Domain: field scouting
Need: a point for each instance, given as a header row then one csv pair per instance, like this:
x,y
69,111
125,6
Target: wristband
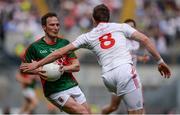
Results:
x,y
160,61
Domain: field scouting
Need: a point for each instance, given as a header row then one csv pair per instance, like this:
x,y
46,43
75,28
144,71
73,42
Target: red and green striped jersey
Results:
x,y
40,49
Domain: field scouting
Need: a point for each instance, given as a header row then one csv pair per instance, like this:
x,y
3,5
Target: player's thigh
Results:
x,y
134,100
66,99
79,97
58,99
71,106
109,81
85,104
127,79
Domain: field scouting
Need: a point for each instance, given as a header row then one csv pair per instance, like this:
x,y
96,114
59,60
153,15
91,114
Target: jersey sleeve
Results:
x,y
128,30
81,41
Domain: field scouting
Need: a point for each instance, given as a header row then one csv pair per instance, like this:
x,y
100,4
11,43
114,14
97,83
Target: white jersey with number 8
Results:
x,y
108,42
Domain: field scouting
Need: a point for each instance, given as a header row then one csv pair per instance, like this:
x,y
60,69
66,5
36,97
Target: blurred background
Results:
x,y
158,19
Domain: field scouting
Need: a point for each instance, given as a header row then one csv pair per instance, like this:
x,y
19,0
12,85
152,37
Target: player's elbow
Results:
x,y
145,40
77,68
55,55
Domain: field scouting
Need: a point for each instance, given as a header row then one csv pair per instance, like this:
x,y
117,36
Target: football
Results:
x,y
52,71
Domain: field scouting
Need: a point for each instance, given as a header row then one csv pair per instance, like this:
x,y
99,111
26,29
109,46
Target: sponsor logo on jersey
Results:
x,y
52,49
43,51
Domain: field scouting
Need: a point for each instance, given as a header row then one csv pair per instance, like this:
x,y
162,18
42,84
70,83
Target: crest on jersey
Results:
x,y
61,100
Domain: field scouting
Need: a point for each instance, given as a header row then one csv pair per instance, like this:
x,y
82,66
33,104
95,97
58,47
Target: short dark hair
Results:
x,y
101,13
130,20
47,15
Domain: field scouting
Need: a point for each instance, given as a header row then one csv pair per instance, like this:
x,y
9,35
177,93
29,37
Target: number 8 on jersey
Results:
x,y
106,41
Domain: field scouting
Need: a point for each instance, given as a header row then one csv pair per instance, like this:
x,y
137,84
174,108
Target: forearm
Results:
x,y
147,43
71,68
32,72
55,55
50,58
151,48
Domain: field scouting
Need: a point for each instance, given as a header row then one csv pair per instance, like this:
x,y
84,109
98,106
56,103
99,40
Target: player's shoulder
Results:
x,y
124,26
115,24
35,43
63,40
38,41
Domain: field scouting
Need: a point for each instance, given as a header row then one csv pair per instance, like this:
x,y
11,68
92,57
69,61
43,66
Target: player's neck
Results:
x,y
97,23
50,40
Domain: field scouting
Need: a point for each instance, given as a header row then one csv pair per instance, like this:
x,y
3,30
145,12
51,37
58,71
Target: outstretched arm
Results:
x,y
143,58
50,58
143,39
56,54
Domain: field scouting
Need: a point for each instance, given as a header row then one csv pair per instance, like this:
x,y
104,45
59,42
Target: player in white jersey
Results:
x,y
133,46
108,42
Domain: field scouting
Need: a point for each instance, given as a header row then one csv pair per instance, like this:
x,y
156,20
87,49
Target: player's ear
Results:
x,y
44,27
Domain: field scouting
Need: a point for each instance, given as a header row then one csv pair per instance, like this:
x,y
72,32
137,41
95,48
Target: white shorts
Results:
x,y
29,93
60,98
124,81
